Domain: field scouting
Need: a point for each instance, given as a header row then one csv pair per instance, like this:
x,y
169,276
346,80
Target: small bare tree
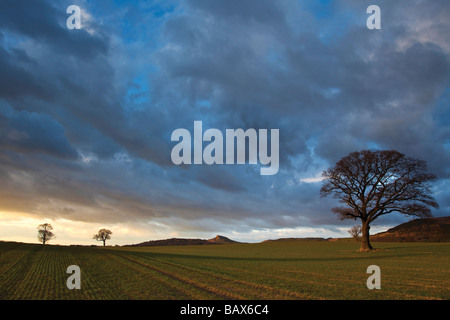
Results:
x,y
356,232
44,233
103,235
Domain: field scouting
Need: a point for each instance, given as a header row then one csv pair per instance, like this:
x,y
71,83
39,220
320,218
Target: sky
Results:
x,y
86,115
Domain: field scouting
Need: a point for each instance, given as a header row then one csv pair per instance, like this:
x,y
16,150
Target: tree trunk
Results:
x,y
365,242
104,242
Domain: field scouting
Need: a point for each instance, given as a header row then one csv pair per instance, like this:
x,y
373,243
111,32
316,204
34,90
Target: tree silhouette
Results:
x,y
376,183
44,233
355,232
103,235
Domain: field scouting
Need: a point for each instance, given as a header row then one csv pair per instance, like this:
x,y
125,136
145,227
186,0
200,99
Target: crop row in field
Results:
x,y
283,270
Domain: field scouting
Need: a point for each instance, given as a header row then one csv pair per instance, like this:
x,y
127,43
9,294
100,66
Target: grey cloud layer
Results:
x,y
70,138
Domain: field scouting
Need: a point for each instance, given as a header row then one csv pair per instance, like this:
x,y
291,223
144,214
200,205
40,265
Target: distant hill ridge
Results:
x,y
418,230
185,242
297,239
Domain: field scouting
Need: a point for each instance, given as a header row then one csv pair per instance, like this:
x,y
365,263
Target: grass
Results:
x,y
287,270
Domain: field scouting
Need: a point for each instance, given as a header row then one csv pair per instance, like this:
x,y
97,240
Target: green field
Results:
x,y
272,270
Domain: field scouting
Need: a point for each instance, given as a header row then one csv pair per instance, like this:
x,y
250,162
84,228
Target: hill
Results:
x,y
419,230
184,242
296,239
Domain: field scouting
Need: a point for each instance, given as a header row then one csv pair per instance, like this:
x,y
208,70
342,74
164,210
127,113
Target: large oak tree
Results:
x,y
376,183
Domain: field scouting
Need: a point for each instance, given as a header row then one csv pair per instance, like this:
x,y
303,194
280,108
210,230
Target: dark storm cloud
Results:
x,y
29,132
47,24
69,76
86,138
266,12
336,90
17,82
